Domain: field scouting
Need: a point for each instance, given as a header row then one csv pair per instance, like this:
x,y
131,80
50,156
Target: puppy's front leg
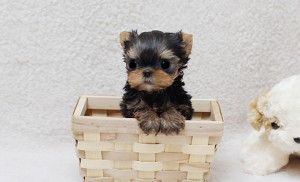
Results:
x,y
148,120
172,121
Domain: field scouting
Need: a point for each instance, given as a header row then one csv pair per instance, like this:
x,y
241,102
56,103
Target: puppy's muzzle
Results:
x,y
297,140
147,73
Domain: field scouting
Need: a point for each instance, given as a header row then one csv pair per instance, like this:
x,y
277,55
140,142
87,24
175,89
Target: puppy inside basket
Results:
x,y
154,92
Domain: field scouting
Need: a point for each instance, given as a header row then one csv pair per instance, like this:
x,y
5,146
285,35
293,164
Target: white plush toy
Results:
x,y
275,116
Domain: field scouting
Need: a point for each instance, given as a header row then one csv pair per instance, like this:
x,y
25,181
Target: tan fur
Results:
x,y
188,43
167,54
255,114
132,53
124,36
159,80
135,78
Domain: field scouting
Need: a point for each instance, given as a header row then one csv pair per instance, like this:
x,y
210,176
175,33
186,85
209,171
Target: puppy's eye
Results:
x,y
165,64
132,64
275,125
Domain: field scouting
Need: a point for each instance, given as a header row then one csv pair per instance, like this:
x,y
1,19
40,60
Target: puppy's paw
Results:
x,y
150,126
149,122
171,122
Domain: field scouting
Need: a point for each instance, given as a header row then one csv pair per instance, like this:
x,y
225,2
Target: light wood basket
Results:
x,y
111,148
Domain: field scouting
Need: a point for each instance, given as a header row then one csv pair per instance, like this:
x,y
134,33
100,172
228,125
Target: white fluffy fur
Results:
x,y
268,150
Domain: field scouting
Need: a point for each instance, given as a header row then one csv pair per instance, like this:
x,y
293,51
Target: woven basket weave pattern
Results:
x,y
112,148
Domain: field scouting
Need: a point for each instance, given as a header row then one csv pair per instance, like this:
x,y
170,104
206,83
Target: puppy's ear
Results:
x,y
255,114
126,36
187,43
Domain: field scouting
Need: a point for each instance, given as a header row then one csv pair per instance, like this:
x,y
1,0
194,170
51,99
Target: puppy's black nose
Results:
x,y
297,140
147,73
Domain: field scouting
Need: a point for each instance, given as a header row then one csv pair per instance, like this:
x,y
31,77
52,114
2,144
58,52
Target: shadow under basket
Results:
x,y
111,148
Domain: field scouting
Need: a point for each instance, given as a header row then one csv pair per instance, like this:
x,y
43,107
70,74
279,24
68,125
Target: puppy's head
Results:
x,y
277,112
154,59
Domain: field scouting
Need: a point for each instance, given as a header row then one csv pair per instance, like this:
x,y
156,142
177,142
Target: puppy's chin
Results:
x,y
148,87
158,81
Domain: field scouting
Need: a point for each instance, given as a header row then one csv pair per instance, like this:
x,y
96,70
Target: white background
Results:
x,y
52,51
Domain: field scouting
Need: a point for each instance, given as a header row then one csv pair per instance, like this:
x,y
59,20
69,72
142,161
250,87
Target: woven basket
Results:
x,y
112,148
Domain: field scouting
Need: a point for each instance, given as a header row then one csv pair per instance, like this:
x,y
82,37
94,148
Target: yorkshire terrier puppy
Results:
x,y
154,93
